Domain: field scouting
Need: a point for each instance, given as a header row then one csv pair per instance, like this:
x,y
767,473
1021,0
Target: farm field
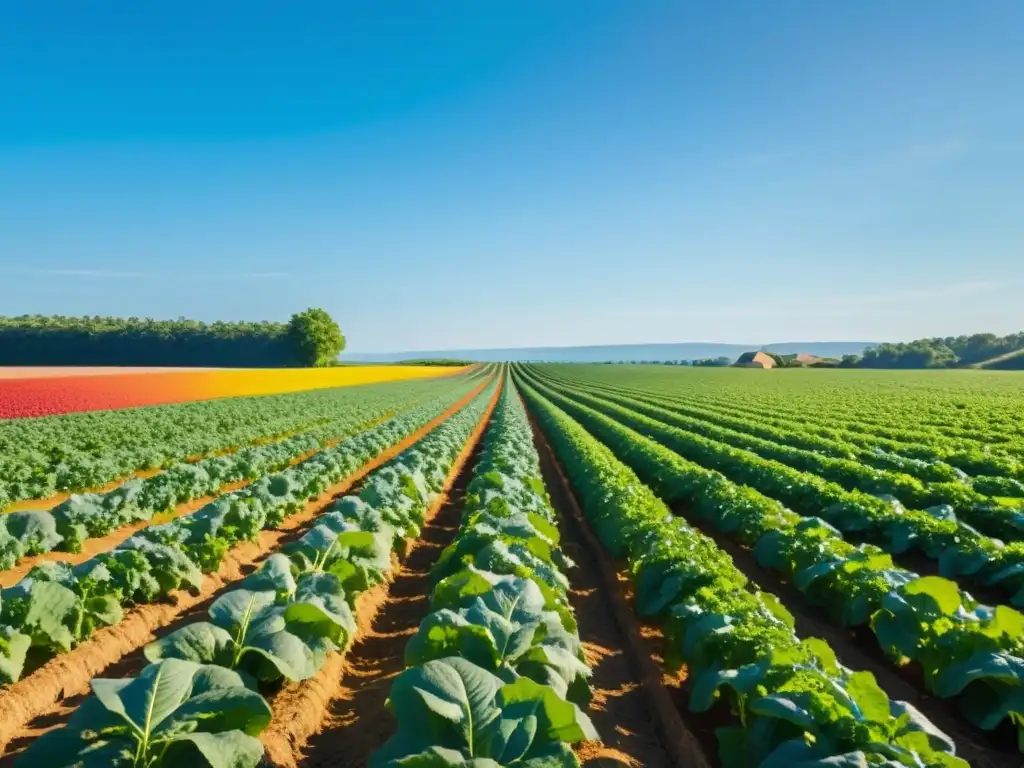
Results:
x,y
43,371
37,392
884,511
525,565
319,449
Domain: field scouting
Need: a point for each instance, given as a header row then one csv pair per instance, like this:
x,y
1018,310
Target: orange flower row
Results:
x,y
47,395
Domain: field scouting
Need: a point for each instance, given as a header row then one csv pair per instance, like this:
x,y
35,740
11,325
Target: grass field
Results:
x,y
528,565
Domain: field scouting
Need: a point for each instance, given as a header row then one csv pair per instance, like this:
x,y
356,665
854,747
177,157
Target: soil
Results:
x,y
54,499
94,546
339,717
51,501
860,651
357,721
632,708
35,703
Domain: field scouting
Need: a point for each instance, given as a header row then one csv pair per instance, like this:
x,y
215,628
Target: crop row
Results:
x,y
965,649
925,463
941,407
974,457
495,671
40,396
967,503
907,419
934,457
70,523
960,551
972,454
201,698
77,452
58,606
888,407
790,700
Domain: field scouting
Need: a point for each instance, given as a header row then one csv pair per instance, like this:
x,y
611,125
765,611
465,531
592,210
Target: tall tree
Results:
x,y
315,336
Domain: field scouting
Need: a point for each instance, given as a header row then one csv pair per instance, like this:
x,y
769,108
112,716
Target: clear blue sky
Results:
x,y
479,174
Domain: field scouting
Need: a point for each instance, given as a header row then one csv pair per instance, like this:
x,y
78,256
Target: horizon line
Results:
x,y
606,346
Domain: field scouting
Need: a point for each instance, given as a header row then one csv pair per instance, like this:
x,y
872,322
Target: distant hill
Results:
x,y
623,352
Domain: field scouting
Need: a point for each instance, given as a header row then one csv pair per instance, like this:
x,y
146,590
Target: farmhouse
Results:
x,y
805,359
755,360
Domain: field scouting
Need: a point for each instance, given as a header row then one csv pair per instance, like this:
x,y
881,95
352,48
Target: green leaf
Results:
x,y
869,697
776,608
823,653
784,707
448,702
989,666
1005,621
449,633
14,647
320,600
97,612
52,609
200,642
275,574
221,700
544,528
172,710
913,721
945,592
230,749
558,668
557,719
272,641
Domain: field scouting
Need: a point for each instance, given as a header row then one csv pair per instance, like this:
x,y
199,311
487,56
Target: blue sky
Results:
x,y
486,174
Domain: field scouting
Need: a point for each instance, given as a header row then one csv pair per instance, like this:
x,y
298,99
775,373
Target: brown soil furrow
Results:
x,y
632,708
53,500
339,717
994,750
95,546
69,674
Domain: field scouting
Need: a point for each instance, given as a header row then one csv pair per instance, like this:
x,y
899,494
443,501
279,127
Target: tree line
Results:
x,y
940,352
310,338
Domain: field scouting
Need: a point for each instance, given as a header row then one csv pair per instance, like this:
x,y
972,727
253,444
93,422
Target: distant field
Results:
x,y
834,557
44,372
26,392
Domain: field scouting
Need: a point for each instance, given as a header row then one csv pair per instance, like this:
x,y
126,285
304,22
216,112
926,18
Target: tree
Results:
x,y
315,337
922,353
95,340
713,362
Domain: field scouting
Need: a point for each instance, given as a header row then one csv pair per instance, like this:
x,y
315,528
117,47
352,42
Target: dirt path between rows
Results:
x,y
51,501
859,650
94,546
304,710
358,722
854,650
633,711
35,703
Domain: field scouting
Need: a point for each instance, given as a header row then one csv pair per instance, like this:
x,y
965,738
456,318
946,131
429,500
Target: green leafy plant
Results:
x,y
452,712
174,713
791,699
